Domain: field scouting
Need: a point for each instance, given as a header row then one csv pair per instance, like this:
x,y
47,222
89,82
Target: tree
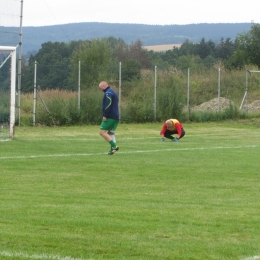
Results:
x,y
189,61
205,49
225,48
248,50
119,48
52,67
137,52
157,59
187,48
95,58
131,70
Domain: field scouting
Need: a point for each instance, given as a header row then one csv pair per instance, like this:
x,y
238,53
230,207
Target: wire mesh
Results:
x,y
4,95
9,22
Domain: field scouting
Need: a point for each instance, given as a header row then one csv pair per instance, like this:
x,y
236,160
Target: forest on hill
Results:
x,y
34,37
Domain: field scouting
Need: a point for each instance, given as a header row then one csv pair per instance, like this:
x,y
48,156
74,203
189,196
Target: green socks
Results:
x,y
113,144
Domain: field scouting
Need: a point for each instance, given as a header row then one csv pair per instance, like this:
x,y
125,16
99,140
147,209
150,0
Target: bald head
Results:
x,y
103,85
169,123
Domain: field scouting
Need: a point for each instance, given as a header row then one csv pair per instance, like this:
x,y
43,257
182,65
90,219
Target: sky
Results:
x,y
160,12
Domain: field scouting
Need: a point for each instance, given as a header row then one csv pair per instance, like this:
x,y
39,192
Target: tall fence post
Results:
x,y
188,92
155,85
79,87
218,89
119,90
20,64
247,91
34,93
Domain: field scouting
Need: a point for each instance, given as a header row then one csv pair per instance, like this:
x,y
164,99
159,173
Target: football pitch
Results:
x,y
63,198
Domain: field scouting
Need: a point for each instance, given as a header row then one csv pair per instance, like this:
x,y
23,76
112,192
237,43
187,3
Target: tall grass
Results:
x,y
138,98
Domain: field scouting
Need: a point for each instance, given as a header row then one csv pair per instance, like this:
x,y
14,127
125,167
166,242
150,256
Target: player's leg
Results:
x,y
168,134
111,132
182,133
106,126
112,135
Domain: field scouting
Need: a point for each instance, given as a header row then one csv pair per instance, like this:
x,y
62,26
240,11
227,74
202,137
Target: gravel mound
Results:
x,y
221,104
253,108
214,105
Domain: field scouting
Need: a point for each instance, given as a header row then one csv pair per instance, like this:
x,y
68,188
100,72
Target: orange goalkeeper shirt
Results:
x,y
176,126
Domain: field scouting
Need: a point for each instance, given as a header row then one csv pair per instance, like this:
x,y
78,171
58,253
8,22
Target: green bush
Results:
x,y
170,101
66,111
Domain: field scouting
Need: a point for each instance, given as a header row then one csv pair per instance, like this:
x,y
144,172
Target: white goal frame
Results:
x,y
12,55
246,92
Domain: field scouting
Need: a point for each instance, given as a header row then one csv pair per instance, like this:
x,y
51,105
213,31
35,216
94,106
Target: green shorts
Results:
x,y
109,124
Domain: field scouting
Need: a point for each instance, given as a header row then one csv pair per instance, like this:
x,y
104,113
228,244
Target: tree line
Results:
x,y
58,62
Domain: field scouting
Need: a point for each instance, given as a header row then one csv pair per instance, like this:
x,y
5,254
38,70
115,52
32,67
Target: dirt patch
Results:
x,y
163,47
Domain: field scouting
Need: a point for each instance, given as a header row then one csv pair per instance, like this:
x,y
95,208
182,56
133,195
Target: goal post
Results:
x,y
8,90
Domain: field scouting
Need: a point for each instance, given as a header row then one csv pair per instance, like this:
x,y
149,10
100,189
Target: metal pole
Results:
x,y
34,94
218,89
2,64
119,89
79,88
246,93
242,101
188,92
155,85
246,90
20,64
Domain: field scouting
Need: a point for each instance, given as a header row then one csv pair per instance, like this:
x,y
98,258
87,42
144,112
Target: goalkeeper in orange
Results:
x,y
171,127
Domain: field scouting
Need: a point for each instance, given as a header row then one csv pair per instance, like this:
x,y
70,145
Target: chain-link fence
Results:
x,y
4,96
69,95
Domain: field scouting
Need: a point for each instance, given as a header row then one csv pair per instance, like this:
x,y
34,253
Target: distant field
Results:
x,y
63,198
163,47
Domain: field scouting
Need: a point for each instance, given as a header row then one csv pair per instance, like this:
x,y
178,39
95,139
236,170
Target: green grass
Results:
x,y
63,197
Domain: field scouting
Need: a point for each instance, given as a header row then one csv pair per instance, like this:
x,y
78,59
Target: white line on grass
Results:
x,y
257,257
34,256
58,257
127,152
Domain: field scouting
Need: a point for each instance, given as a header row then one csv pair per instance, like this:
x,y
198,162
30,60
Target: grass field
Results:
x,y
63,198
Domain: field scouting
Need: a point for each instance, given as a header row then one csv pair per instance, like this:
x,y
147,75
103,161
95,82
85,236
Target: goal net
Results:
x,y
9,22
7,91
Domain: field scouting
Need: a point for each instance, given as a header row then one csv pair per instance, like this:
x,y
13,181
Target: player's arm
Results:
x,y
107,105
178,129
164,128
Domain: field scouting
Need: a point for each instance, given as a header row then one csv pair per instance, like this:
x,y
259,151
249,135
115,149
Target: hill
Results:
x,y
33,37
